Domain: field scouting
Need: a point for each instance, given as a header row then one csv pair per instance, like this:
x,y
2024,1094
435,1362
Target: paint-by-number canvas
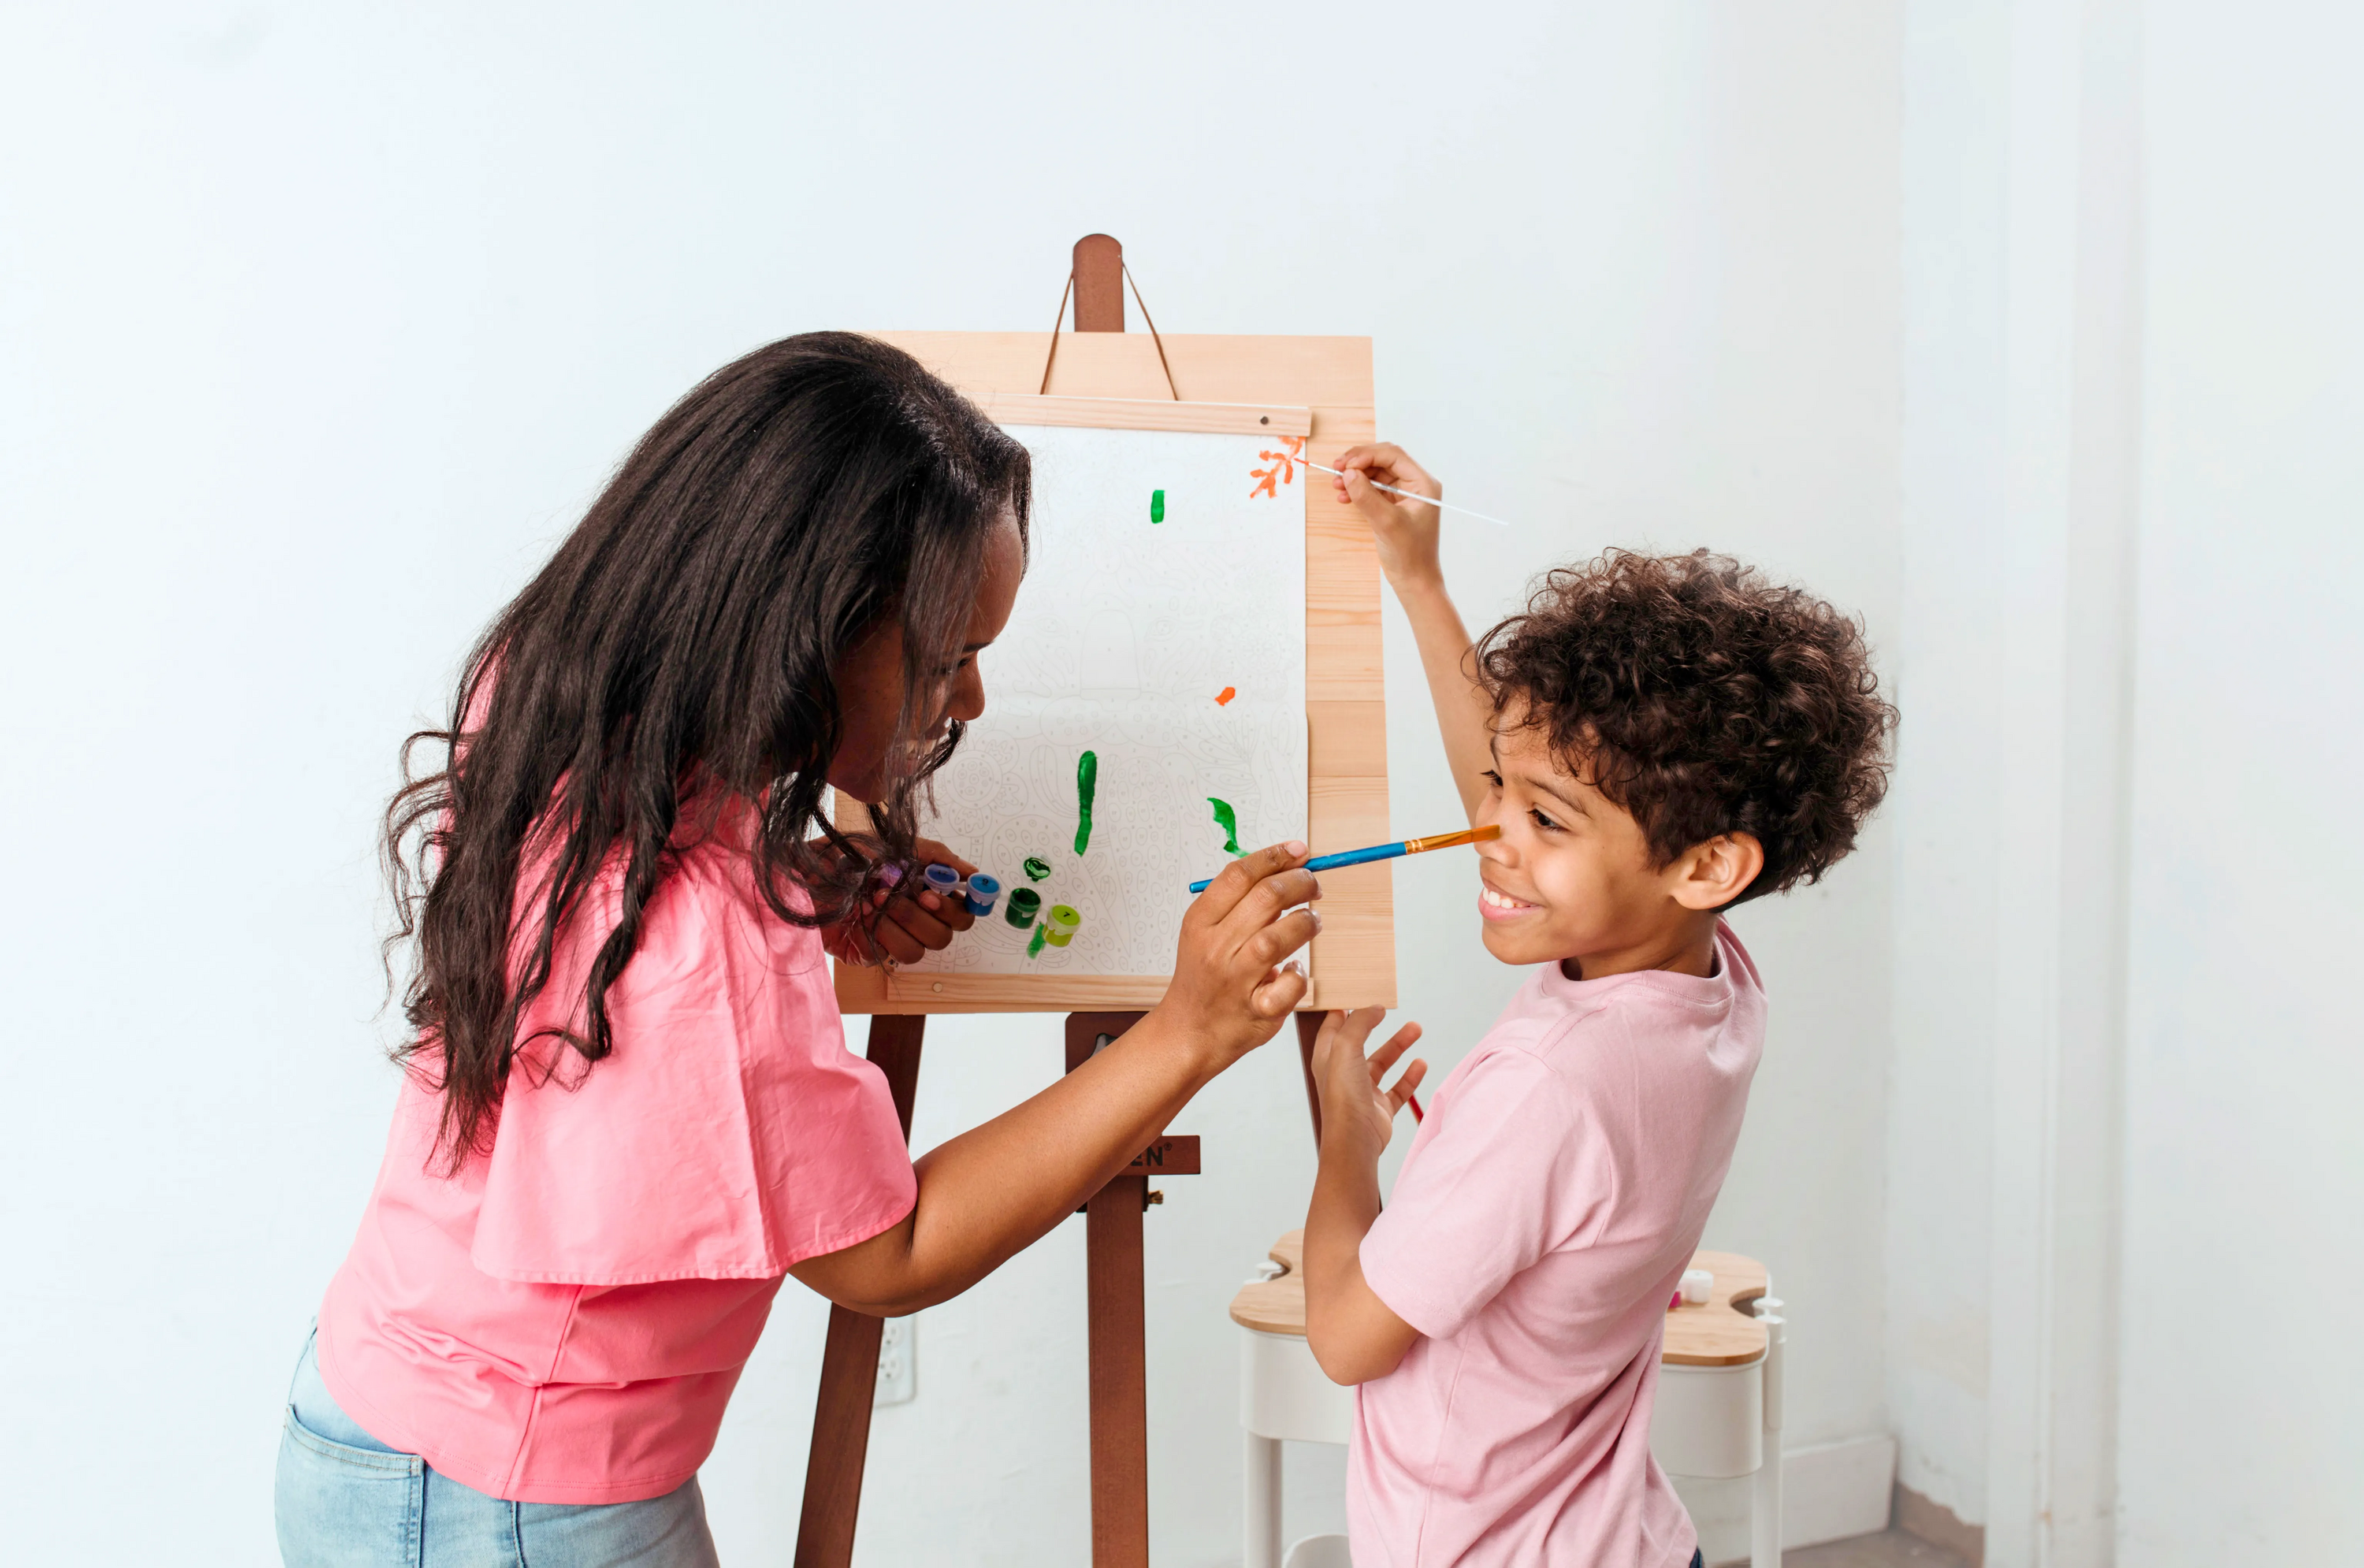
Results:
x,y
1165,633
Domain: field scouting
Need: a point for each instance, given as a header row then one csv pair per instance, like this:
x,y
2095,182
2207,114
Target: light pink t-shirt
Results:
x,y
1541,1220
564,1321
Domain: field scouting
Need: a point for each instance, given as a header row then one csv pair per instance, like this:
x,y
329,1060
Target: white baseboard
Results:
x,y
1829,1492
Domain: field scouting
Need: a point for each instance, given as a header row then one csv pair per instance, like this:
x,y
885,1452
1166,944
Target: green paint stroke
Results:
x,y
1229,821
1042,935
1088,780
1037,868
1157,506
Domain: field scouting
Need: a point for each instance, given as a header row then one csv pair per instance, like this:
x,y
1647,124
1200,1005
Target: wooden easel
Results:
x,y
1347,723
1114,1303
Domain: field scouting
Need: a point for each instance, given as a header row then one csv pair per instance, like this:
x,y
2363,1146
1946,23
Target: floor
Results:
x,y
1889,1549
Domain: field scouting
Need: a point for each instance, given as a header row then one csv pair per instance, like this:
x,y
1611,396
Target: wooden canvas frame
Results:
x,y
1318,387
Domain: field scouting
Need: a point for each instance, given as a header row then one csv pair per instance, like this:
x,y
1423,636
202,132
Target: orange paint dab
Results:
x,y
1226,695
1283,470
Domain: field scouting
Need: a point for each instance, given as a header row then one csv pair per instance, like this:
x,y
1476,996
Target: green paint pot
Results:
x,y
1061,923
1023,903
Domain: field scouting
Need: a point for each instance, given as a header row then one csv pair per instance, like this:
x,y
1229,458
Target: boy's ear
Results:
x,y
1711,876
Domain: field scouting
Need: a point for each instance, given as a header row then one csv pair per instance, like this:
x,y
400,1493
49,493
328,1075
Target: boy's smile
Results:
x,y
1498,906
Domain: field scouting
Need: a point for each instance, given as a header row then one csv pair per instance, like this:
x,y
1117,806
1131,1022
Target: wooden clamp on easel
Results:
x,y
1325,384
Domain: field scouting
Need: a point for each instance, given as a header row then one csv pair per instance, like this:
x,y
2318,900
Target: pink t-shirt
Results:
x,y
564,1321
1543,1219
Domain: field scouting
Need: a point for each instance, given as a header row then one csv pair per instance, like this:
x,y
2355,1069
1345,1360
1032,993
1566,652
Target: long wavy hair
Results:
x,y
681,644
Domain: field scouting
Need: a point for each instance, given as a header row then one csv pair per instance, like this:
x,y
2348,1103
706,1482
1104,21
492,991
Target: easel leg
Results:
x,y
1308,1026
1119,1371
1119,1375
840,1441
849,1364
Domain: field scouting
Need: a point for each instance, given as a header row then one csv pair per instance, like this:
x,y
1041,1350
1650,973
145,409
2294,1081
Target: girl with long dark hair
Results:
x,y
627,1110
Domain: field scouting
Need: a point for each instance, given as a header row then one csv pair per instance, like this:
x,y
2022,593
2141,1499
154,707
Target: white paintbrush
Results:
x,y
1407,495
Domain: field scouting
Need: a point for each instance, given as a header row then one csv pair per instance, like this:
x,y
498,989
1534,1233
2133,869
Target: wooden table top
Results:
x,y
1721,1331
1277,1305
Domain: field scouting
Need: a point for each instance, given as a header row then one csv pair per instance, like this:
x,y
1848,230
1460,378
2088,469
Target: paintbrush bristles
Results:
x,y
1446,840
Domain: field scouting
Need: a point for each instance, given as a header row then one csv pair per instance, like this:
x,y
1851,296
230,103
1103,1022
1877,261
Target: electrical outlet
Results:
x,y
898,1370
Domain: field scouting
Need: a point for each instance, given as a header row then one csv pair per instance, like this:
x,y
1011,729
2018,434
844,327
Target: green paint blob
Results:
x,y
1088,781
1157,506
1042,935
1228,820
1037,868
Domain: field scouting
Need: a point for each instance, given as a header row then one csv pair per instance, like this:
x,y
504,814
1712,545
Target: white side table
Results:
x,y
1719,1406
1718,1412
1284,1397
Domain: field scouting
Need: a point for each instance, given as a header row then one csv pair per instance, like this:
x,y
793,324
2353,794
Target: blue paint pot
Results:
x,y
982,892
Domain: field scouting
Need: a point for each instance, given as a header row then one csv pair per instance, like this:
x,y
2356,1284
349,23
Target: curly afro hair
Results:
x,y
1704,700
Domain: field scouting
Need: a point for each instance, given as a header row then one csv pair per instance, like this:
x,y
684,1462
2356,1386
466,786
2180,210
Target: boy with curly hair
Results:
x,y
1659,739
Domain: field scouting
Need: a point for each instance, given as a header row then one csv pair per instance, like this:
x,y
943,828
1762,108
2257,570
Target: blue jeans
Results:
x,y
346,1500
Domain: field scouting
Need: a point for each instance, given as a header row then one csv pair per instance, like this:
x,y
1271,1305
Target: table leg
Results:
x,y
849,1363
1765,1488
1262,1545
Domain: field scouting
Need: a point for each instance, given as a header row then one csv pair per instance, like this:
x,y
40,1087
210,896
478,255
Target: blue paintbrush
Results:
x,y
1388,851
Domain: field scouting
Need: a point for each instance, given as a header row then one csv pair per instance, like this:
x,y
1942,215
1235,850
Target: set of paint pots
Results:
x,y
1058,924
979,891
1055,926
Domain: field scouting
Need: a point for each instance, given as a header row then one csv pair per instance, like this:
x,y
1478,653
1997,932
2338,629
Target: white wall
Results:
x,y
2123,1064
2244,1060
1939,1167
2021,410
317,328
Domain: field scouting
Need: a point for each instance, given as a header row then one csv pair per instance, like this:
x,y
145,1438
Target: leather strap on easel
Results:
x,y
1153,336
1049,358
1053,357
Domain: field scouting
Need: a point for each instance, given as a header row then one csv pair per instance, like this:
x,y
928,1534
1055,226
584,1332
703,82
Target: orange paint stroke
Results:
x,y
1283,470
1226,695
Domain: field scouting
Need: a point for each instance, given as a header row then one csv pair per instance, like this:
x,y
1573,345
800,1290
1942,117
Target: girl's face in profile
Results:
x,y
870,677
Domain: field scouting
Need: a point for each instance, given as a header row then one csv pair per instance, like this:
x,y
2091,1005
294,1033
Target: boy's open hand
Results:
x,y
1404,530
905,923
1231,990
1353,1105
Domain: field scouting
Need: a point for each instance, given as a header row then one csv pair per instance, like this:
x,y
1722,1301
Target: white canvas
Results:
x,y
1125,632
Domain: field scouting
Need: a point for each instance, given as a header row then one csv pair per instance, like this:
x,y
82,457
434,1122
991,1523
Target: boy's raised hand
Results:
x,y
1230,988
1356,1108
1404,530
